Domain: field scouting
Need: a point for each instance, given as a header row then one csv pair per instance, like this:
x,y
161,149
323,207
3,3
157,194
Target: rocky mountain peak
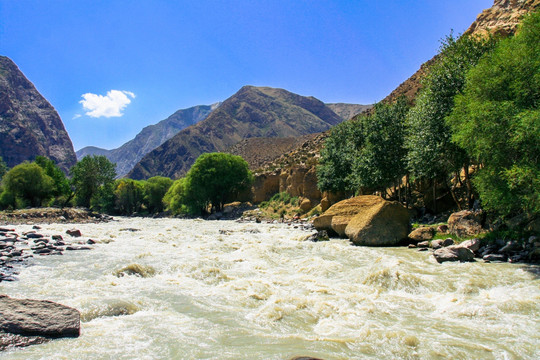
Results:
x,y
29,125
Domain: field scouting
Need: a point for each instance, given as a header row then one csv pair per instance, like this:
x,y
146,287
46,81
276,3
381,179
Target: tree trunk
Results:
x,y
469,186
435,196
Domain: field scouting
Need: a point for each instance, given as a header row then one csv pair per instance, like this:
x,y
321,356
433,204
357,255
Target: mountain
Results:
x,y
251,112
348,111
127,155
29,125
502,19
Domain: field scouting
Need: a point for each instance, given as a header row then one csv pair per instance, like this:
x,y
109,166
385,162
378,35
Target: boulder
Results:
x,y
511,246
366,220
466,223
473,244
74,232
453,253
325,204
437,244
422,234
305,205
423,244
494,257
38,318
448,242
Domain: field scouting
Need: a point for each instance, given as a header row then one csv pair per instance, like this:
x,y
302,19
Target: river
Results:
x,y
227,290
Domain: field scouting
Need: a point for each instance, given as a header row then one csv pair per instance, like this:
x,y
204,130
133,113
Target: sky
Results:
x,y
112,67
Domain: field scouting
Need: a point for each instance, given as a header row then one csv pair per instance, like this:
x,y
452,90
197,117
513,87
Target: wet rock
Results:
x,y
136,269
466,223
473,244
319,236
423,249
8,341
38,318
75,248
36,227
34,236
423,244
494,258
412,246
43,251
422,234
74,232
453,253
57,237
90,241
6,230
511,246
448,242
436,244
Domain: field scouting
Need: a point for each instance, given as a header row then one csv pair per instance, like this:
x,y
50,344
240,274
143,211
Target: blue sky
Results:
x,y
112,67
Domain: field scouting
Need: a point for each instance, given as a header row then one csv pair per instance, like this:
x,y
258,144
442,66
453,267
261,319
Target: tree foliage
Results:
x,y
129,196
61,186
379,162
92,178
26,184
213,180
3,168
155,189
497,120
430,152
341,148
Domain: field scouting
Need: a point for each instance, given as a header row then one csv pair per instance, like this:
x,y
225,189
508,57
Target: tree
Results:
x,y
28,184
61,187
497,121
155,189
129,196
431,155
379,163
92,177
335,169
213,180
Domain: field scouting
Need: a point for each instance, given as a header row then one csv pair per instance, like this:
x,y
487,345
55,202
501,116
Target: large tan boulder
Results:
x,y
422,233
366,220
466,223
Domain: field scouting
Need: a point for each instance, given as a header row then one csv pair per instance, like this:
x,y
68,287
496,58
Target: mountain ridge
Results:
x,y
29,124
250,112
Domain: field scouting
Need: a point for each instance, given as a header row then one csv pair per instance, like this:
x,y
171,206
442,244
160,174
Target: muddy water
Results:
x,y
190,289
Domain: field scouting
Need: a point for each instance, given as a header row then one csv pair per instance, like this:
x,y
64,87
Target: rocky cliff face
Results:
x,y
251,112
29,125
128,155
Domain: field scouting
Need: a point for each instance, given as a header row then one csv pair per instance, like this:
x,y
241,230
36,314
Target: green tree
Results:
x,y
129,196
28,184
341,148
497,121
61,188
431,155
379,163
93,177
213,180
155,189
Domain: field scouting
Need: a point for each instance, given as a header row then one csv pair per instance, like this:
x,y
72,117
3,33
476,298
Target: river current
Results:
x,y
193,289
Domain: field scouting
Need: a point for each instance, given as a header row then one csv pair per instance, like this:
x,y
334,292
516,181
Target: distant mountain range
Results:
x,y
251,112
152,136
29,125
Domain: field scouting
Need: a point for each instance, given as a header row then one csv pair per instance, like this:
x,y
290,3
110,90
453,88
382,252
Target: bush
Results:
x,y
155,189
92,177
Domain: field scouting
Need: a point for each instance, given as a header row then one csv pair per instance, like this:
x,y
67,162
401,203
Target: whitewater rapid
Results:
x,y
193,289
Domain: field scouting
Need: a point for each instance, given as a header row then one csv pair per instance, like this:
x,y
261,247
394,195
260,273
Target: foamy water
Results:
x,y
226,290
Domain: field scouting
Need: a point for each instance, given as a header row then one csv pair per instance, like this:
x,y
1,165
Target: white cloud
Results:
x,y
76,116
110,105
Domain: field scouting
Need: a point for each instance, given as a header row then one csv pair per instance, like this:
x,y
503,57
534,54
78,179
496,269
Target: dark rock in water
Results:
x,y
13,340
90,241
43,251
57,237
34,236
510,246
448,242
36,227
423,249
74,232
319,236
38,318
412,246
453,253
71,248
6,230
494,257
